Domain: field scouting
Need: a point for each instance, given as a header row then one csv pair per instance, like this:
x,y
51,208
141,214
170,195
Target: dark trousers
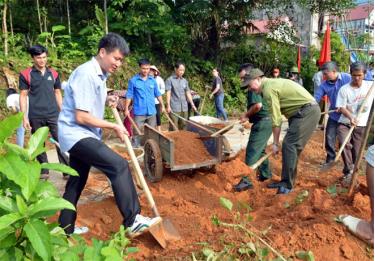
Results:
x,y
196,104
352,147
256,147
301,126
51,123
180,124
330,145
91,152
158,115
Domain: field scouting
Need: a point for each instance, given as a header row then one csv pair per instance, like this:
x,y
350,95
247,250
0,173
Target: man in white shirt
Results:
x,y
13,103
349,100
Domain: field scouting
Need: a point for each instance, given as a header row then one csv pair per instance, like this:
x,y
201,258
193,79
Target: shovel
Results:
x,y
165,230
204,99
170,121
215,134
347,138
135,125
260,161
361,151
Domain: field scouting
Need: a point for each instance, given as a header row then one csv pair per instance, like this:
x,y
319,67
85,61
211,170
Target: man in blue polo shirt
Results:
x,y
80,128
330,87
142,90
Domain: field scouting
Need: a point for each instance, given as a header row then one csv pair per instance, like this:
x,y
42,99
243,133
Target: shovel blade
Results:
x,y
170,231
158,233
328,166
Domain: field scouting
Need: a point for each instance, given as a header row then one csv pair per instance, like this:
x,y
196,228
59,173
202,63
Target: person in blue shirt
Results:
x,y
142,90
330,87
80,126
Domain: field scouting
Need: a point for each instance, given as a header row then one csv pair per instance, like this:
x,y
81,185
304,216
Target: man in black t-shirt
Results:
x,y
42,85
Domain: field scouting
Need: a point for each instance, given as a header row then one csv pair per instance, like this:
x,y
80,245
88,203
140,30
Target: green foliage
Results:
x,y
241,242
305,255
26,201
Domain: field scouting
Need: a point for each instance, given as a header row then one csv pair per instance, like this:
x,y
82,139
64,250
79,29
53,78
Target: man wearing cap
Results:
x,y
295,76
143,90
261,130
286,97
330,87
154,72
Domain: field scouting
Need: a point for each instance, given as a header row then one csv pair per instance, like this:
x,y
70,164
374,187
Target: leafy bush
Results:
x,y
26,202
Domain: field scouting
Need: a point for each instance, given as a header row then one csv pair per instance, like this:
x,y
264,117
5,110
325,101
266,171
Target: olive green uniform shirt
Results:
x,y
285,97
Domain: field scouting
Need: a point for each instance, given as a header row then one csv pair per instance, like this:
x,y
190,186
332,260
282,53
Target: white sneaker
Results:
x,y
142,224
80,230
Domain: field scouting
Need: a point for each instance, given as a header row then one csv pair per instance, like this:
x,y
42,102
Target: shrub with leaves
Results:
x,y
26,202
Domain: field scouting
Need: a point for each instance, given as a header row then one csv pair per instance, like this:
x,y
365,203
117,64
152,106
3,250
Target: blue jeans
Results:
x,y
20,136
330,145
219,105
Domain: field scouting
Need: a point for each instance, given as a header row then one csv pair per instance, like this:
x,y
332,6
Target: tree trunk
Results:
x,y
105,17
11,21
5,29
68,14
214,31
39,18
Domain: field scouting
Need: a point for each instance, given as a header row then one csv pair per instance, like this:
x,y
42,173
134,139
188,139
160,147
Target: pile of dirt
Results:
x,y
217,125
188,148
291,224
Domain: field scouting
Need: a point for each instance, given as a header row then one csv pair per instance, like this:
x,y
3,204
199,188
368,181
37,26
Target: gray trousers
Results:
x,y
141,120
301,126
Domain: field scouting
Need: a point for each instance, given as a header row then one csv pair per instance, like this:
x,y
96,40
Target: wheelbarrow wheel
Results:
x,y
153,161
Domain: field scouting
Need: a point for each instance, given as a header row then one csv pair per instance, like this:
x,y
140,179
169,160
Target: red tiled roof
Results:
x,y
261,26
360,12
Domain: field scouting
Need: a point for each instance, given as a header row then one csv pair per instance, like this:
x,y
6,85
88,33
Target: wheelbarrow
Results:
x,y
160,152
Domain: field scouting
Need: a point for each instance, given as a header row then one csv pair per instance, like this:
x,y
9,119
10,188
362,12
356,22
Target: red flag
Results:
x,y
325,52
299,58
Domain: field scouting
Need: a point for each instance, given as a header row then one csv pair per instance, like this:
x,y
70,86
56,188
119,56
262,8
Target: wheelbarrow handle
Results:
x,y
136,166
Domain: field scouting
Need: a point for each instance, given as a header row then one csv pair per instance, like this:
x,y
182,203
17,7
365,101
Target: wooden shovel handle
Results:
x,y
260,161
136,166
224,129
135,125
170,121
347,138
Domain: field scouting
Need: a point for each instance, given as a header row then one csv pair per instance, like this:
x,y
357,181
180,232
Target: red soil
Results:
x,y
190,202
188,148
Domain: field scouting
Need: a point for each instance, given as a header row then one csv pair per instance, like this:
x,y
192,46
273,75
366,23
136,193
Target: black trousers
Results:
x,y
92,152
196,104
51,123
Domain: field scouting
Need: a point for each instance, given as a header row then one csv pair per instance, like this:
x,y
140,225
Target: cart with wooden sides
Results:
x,y
160,152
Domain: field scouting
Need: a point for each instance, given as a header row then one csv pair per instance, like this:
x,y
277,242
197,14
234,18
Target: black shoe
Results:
x,y
262,178
283,190
274,185
244,184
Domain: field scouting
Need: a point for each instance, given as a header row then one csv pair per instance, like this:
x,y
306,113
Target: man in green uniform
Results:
x,y
286,97
261,130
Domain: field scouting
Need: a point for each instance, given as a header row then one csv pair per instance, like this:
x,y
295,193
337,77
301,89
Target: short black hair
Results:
x,y
10,91
112,41
330,66
358,66
36,50
178,64
246,66
143,61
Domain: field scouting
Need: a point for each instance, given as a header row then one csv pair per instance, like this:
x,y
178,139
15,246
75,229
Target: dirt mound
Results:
x,y
301,220
188,148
